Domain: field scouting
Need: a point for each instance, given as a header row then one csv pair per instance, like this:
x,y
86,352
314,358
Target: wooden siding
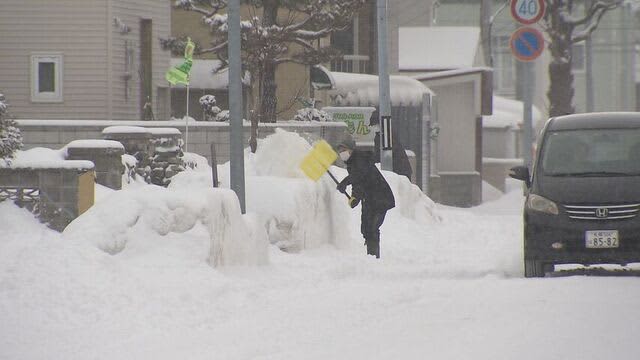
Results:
x,y
130,13
75,29
93,55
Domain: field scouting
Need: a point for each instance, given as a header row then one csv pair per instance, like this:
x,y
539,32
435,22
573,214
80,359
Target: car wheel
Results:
x,y
533,268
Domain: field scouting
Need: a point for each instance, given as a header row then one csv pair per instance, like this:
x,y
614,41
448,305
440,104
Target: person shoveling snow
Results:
x,y
367,183
369,187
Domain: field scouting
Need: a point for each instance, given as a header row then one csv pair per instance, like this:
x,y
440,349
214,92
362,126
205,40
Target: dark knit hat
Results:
x,y
347,144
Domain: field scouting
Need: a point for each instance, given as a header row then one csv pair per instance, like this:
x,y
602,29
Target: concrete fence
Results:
x,y
55,134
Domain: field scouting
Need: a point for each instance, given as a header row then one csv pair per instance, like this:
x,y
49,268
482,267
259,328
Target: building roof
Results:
x,y
437,48
363,89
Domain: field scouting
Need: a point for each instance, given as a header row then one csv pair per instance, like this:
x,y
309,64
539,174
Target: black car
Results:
x,y
583,193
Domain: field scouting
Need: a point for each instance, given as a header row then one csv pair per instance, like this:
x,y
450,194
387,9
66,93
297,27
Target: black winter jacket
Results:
x,y
367,183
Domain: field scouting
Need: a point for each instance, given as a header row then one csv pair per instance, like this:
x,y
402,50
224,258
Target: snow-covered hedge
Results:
x,y
311,114
211,111
10,136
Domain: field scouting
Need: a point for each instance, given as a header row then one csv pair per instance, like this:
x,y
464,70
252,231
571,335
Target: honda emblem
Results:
x,y
602,212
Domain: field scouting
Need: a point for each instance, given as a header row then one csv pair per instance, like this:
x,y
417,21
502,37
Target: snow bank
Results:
x,y
411,202
132,220
296,212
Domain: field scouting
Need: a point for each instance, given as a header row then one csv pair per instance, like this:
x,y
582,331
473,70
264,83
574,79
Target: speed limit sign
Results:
x,y
527,11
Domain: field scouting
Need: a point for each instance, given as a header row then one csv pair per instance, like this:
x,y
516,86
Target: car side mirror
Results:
x,y
521,173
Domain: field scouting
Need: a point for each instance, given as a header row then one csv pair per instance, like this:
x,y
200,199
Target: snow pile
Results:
x,y
411,202
279,155
134,220
297,212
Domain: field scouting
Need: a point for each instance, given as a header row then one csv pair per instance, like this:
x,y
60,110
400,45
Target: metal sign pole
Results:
x,y
236,104
186,136
527,43
527,126
386,158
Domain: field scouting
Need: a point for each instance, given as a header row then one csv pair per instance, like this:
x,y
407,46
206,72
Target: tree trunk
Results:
x,y
268,87
253,138
268,100
560,93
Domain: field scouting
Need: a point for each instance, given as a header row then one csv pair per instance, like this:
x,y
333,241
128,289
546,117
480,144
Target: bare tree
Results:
x,y
564,28
277,32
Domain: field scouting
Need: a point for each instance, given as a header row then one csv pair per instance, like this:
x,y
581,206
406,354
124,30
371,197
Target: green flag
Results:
x,y
180,74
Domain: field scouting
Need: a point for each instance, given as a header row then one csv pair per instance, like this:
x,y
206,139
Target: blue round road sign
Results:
x,y
526,43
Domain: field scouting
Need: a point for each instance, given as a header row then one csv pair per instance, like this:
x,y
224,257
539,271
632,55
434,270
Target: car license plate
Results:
x,y
602,239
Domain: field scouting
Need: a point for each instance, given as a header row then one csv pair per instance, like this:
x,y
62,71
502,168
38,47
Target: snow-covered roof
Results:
x,y
437,48
508,113
431,75
362,89
44,158
95,144
164,131
125,130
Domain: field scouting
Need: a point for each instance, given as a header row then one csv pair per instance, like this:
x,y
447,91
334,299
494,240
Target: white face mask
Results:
x,y
345,155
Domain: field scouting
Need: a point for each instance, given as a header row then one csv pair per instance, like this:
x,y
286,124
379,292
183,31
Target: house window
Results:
x,y
504,66
578,57
344,41
46,78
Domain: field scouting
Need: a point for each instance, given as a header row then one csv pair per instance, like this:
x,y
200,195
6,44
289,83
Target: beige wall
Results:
x,y
457,120
75,29
93,54
131,13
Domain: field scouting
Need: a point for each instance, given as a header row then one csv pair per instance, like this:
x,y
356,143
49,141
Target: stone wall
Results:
x,y
57,195
55,134
106,156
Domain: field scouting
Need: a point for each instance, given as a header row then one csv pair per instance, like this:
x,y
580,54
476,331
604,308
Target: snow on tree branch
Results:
x,y
595,12
283,31
10,136
592,19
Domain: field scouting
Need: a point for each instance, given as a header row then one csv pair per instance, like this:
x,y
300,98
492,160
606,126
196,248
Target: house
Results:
x,y
411,103
92,59
448,60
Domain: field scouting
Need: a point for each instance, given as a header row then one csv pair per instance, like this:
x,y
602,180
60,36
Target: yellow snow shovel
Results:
x,y
317,162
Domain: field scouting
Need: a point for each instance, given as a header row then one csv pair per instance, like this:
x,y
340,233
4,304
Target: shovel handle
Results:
x,y
337,182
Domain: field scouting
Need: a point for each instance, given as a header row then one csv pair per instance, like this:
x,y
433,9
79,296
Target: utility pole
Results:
x,y
236,104
386,157
588,64
485,31
628,71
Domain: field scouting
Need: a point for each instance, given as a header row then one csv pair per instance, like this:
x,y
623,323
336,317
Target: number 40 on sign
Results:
x,y
527,11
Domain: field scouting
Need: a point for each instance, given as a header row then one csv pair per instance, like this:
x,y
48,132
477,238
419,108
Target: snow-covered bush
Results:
x,y
211,111
311,114
10,136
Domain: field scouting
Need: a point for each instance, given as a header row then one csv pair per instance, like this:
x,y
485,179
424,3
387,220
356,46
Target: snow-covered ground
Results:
x,y
146,274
